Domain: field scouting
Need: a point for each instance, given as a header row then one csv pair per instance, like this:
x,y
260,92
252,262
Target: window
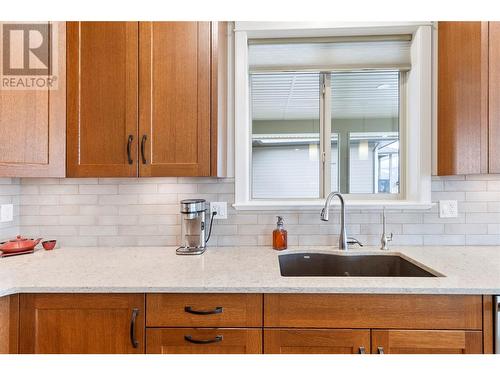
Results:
x,y
343,113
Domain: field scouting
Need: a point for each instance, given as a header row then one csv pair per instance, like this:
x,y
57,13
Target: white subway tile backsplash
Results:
x,y
158,199
78,199
98,189
145,212
444,239
122,199
138,189
58,189
99,230
177,188
483,196
486,240
461,186
468,228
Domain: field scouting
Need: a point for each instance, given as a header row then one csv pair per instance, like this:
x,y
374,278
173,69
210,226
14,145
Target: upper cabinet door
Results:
x,y
494,97
462,98
102,59
33,121
174,98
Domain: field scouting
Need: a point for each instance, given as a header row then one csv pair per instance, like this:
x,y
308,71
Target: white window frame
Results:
x,y
416,117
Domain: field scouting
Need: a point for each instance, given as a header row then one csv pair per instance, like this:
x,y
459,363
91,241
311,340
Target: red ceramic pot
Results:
x,y
19,244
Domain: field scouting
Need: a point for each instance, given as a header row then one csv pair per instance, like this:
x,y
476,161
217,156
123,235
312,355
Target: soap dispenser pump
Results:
x,y
279,235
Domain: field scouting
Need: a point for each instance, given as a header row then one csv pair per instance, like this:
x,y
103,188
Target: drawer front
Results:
x,y
373,311
203,341
426,342
317,341
204,310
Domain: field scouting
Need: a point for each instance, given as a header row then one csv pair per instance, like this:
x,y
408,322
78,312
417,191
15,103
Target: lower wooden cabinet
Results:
x,y
203,341
81,324
212,323
316,341
426,342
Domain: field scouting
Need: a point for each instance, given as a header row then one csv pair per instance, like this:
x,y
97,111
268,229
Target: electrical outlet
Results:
x,y
448,209
220,208
6,213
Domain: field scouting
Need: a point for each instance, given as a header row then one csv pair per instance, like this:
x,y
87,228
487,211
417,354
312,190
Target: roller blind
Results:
x,y
326,54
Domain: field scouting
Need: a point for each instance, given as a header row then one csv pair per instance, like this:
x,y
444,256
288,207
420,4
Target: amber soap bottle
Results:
x,y
279,236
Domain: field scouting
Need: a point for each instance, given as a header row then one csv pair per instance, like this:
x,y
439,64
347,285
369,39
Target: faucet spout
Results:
x,y
325,214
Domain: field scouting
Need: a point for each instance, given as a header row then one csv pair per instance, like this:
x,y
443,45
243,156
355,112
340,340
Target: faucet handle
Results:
x,y
354,241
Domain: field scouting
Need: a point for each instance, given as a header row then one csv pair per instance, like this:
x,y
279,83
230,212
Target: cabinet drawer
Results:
x,y
203,341
316,341
427,342
204,310
373,311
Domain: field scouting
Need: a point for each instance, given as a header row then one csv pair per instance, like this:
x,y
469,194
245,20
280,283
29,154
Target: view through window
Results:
x,y
288,152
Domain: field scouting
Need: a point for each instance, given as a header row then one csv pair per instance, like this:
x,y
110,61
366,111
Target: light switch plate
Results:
x,y
6,213
448,208
220,208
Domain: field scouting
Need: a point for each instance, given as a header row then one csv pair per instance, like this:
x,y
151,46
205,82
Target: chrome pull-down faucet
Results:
x,y
325,213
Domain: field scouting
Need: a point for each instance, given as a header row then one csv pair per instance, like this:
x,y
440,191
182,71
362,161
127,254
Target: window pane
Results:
x,y
334,170
365,115
285,135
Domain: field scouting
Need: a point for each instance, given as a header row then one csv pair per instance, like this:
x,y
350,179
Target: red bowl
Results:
x,y
49,245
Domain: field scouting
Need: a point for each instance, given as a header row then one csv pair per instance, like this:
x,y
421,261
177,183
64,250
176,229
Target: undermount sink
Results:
x,y
319,264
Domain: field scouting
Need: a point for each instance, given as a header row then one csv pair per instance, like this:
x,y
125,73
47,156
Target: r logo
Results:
x,y
26,49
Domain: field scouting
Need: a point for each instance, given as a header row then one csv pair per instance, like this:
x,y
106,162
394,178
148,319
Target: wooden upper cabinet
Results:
x,y
426,342
494,97
102,59
175,98
462,98
316,341
81,324
33,121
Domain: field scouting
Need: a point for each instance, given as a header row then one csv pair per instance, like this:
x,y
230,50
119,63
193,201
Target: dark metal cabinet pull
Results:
x,y
362,350
143,147
190,310
133,339
380,350
129,146
209,341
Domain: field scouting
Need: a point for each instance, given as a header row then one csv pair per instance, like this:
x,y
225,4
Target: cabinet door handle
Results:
x,y
190,310
129,146
362,350
189,338
143,147
380,350
133,339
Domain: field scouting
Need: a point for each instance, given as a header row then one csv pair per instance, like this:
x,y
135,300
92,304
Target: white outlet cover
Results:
x,y
6,213
220,208
448,208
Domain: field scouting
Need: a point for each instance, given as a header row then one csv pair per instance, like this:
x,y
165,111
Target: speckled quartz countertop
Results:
x,y
466,270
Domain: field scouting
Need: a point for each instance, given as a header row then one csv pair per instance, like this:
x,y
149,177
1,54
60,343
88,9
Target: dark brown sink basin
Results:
x,y
317,264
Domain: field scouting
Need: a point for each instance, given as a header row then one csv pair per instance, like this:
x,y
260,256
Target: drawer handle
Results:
x,y
143,146
133,339
380,350
362,350
190,310
129,145
209,341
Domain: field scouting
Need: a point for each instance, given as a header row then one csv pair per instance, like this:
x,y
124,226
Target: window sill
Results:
x,y
317,204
